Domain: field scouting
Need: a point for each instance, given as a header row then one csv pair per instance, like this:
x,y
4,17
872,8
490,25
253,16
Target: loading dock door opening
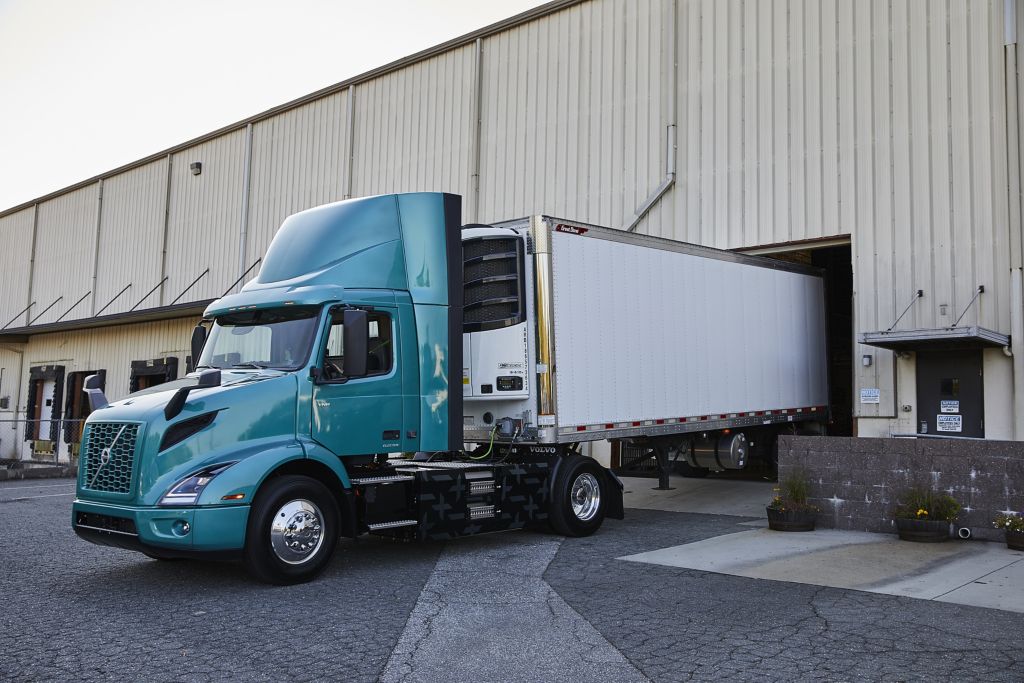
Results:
x,y
837,263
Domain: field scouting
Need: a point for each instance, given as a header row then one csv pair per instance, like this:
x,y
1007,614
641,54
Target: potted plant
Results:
x,y
789,509
924,515
1014,526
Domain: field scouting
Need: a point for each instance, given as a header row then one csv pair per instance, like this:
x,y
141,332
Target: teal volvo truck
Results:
x,y
391,371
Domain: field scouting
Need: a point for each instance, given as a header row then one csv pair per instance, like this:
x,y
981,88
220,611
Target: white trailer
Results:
x,y
574,332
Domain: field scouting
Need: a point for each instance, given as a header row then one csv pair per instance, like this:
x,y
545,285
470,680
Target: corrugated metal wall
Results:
x,y
413,127
132,221
574,113
64,253
880,120
204,219
15,263
299,160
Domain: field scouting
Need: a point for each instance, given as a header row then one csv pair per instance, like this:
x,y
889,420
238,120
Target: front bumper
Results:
x,y
165,532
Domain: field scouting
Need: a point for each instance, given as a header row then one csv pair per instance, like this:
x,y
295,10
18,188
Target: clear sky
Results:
x,y
89,85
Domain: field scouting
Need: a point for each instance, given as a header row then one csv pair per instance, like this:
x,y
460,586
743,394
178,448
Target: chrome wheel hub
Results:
x,y
585,497
296,532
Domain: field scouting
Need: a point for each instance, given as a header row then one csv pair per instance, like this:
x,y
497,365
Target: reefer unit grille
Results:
x,y
493,281
108,455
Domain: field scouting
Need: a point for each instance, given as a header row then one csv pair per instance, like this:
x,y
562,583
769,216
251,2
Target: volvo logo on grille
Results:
x,y
104,456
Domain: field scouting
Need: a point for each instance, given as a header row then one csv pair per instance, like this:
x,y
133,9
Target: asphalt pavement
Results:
x,y
518,606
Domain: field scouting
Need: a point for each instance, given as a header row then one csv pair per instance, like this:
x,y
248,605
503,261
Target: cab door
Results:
x,y
359,415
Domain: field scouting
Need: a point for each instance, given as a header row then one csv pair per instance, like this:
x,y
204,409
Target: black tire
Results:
x,y
310,502
561,515
685,469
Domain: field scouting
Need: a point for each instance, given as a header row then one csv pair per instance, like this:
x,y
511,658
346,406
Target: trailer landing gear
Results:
x,y
664,468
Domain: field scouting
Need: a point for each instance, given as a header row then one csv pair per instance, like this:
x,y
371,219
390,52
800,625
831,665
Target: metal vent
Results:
x,y
493,283
108,455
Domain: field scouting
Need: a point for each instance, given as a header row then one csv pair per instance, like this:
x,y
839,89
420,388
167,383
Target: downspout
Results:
x,y
473,210
1013,154
350,139
670,146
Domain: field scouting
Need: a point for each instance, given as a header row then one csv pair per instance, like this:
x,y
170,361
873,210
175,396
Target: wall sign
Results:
x,y
870,395
949,423
949,406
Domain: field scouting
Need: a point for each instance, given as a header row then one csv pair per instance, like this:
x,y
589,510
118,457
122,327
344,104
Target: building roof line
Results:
x,y
441,48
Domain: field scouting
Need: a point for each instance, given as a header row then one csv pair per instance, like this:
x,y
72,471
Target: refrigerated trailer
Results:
x,y
326,400
575,332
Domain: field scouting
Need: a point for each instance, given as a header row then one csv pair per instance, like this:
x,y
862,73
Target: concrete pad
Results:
x,y
971,573
708,496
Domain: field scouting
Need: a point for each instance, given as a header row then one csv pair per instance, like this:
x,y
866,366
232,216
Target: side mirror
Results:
x,y
357,340
93,388
207,379
198,342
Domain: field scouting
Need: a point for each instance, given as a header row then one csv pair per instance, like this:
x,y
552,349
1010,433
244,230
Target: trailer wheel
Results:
x,y
292,531
685,469
578,500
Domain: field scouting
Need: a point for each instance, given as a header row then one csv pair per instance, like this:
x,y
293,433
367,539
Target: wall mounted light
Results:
x,y
865,360
196,167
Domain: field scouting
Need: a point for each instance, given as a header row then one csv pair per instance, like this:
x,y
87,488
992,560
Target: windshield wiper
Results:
x,y
250,365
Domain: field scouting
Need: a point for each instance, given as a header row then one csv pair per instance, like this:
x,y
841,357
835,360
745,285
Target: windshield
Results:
x,y
269,338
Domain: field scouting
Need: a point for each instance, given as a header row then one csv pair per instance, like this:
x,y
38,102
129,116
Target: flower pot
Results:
x,y
791,520
922,530
1014,539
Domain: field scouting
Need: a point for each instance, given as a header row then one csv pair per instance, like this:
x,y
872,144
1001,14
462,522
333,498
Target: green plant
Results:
x,y
1010,522
792,493
921,503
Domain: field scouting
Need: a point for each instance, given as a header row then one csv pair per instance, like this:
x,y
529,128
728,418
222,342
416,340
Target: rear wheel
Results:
x,y
293,529
578,499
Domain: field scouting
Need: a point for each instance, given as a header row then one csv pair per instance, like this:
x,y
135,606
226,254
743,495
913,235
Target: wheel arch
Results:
x,y
323,473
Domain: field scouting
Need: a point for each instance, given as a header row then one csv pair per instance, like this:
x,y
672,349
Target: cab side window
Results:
x,y
379,352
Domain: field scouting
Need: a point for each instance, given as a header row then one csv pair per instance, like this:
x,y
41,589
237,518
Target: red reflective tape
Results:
x,y
659,422
636,424
581,429
609,426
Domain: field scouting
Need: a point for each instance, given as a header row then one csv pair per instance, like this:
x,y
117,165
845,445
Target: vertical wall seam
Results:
x,y
167,220
96,243
243,228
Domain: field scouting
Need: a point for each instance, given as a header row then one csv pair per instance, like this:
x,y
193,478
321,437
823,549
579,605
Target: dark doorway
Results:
x,y
838,269
950,393
150,373
76,406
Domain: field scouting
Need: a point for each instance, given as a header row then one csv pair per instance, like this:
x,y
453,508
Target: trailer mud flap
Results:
x,y
614,507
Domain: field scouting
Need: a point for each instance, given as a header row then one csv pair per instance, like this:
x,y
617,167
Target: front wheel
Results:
x,y
293,529
578,497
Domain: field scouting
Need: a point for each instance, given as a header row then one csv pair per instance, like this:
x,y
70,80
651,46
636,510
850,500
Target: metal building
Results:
x,y
879,139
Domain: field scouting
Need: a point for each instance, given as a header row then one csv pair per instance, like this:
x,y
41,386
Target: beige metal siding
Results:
x,y
574,113
64,255
205,219
131,237
15,257
413,127
299,160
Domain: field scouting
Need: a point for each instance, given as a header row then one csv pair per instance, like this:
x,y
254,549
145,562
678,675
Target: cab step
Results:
x,y
380,526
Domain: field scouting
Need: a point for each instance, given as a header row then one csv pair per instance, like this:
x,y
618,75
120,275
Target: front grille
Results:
x,y
107,456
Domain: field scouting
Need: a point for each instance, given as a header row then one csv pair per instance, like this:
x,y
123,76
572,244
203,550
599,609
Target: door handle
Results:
x,y
392,434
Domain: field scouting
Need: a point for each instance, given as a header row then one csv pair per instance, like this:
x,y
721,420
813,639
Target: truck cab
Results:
x,y
327,401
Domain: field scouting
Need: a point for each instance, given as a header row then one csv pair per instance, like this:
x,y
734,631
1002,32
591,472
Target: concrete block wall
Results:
x,y
856,481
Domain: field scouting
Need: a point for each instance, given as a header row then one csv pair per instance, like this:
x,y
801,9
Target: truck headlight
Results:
x,y
186,491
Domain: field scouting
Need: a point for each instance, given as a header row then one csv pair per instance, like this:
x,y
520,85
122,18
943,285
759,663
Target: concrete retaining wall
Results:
x,y
856,481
